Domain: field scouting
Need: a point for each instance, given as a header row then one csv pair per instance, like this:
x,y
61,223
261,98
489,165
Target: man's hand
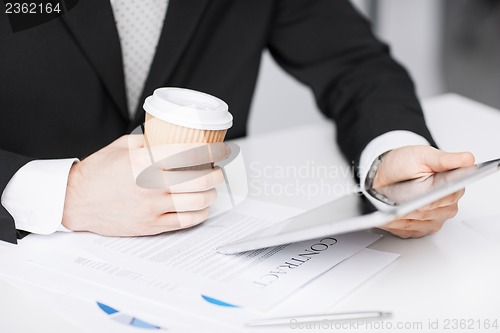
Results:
x,y
414,162
105,194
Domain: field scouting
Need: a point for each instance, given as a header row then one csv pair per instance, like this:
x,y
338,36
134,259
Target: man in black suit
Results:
x,y
65,96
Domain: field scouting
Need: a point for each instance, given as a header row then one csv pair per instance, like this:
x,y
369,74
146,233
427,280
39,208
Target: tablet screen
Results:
x,y
343,214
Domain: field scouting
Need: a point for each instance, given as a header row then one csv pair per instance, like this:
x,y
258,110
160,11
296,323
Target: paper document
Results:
x,y
320,296
256,279
184,310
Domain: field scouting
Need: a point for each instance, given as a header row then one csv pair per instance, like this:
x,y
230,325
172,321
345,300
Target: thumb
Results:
x,y
440,161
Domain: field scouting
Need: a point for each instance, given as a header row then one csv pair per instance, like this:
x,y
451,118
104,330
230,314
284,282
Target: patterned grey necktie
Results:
x,y
139,24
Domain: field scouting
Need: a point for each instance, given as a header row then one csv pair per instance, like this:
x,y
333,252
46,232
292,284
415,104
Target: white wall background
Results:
x,y
411,27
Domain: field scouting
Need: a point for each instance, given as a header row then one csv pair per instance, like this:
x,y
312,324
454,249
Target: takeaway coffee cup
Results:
x,y
178,115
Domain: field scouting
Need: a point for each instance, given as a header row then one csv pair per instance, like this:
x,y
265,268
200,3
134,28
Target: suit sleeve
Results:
x,y
10,163
329,46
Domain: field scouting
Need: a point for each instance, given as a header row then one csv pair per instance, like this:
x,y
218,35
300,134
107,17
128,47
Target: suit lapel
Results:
x,y
180,23
93,26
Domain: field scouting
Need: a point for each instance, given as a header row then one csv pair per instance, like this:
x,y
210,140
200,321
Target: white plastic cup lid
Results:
x,y
189,108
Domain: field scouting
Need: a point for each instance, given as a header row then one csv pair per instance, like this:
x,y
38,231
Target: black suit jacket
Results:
x,y
63,91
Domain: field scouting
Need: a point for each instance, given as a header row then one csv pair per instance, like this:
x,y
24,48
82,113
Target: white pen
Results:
x,y
319,317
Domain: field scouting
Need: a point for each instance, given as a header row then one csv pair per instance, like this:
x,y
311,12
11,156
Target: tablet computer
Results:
x,y
340,215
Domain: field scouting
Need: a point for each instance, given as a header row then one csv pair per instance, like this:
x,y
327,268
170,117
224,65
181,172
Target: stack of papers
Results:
x,y
177,281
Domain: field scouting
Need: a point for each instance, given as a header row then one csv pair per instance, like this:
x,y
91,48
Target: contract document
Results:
x,y
180,310
188,259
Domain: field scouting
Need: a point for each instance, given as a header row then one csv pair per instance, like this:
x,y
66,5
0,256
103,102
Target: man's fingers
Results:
x,y
176,221
176,156
173,156
446,201
192,180
421,223
180,181
440,213
184,202
415,225
413,162
406,233
425,221
440,161
408,228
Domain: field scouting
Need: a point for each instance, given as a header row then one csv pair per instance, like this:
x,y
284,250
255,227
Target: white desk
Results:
x,y
454,274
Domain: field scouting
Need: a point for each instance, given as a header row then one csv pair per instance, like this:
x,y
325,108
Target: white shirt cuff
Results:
x,y
35,195
380,145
